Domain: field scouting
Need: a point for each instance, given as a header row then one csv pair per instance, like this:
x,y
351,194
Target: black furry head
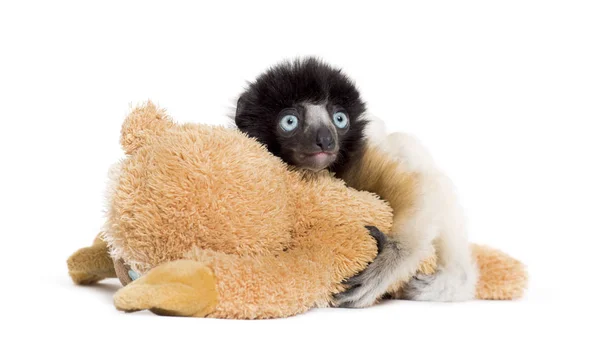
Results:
x,y
293,90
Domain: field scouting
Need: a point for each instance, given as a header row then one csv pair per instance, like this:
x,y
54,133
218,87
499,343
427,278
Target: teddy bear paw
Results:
x,y
178,288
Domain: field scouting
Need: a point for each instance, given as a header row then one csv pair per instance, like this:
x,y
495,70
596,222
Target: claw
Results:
x,y
354,281
345,305
379,236
364,288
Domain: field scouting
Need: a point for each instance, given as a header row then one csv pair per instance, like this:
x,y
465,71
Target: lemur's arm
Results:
x,y
376,172
410,242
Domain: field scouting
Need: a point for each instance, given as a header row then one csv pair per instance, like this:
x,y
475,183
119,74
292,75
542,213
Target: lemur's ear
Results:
x,y
241,104
144,122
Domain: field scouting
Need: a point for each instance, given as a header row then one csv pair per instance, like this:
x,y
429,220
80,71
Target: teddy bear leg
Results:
x,y
91,264
177,288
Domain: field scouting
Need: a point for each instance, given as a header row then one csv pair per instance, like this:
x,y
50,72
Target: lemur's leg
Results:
x,y
456,277
429,217
409,244
457,273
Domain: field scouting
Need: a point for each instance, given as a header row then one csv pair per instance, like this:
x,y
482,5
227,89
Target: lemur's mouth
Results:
x,y
317,161
321,154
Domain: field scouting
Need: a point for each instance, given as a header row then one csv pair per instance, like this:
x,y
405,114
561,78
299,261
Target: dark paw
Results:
x,y
354,288
379,236
417,283
363,289
341,300
422,278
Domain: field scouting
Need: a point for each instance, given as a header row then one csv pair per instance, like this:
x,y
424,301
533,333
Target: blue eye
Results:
x,y
340,119
289,123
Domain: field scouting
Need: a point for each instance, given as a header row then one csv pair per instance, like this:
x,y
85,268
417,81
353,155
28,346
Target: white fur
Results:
x,y
440,221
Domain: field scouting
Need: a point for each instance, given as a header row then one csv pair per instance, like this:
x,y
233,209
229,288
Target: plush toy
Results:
x,y
203,221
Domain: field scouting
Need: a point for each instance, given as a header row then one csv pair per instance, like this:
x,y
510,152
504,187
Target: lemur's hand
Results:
x,y
379,236
367,286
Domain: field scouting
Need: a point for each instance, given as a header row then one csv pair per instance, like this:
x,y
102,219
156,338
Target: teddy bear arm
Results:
x,y
279,285
218,285
283,284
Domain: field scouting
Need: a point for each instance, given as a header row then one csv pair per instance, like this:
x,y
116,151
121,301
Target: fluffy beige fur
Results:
x,y
218,227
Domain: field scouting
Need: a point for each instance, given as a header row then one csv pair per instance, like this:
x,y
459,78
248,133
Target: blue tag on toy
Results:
x,y
133,275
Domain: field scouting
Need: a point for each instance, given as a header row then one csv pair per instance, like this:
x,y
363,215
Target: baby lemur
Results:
x,y
311,115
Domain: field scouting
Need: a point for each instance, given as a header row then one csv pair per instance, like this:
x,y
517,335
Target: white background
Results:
x,y
505,94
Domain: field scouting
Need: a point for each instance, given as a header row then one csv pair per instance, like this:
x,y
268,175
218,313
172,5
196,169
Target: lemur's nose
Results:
x,y
325,139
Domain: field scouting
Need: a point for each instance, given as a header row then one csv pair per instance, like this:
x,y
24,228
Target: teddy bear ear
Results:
x,y
144,122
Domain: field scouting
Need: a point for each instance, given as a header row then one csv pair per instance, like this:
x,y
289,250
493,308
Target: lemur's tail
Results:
x,y
501,277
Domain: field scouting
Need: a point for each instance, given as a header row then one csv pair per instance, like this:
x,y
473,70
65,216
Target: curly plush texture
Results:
x,y
279,242
216,226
